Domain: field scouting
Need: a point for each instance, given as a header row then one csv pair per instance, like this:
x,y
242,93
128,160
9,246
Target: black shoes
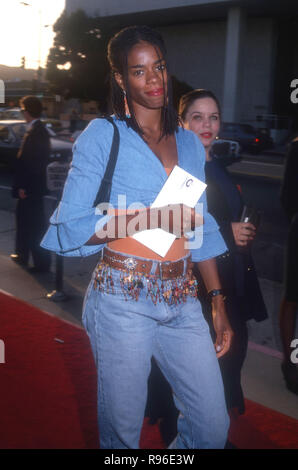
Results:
x,y
290,373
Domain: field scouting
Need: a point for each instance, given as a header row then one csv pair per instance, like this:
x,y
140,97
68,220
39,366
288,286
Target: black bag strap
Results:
x,y
104,192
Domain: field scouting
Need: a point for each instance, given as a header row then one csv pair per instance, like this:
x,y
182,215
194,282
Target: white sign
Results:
x,y
56,175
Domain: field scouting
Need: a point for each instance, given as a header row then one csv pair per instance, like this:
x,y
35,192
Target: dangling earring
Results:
x,y
127,113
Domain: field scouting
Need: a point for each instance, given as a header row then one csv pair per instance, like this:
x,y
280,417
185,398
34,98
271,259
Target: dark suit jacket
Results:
x,y
236,268
32,159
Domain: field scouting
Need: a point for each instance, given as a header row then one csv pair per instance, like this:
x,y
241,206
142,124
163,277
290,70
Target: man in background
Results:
x,y
29,187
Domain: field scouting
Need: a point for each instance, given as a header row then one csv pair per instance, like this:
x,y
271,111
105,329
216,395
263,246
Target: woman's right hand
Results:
x,y
244,233
179,219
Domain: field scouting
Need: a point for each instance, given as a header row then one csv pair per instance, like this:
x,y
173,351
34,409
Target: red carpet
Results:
x,y
48,390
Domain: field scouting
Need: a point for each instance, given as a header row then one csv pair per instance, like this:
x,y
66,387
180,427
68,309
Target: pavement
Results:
x,y
268,165
261,377
260,169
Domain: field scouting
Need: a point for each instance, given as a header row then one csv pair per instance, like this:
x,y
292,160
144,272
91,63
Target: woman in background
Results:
x,y
200,112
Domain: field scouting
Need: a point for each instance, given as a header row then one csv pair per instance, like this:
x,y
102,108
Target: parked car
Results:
x,y
226,151
249,138
53,124
11,113
11,134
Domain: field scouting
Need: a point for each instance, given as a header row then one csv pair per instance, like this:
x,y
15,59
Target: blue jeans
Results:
x,y
124,334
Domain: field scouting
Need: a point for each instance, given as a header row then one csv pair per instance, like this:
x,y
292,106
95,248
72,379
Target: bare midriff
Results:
x,y
132,247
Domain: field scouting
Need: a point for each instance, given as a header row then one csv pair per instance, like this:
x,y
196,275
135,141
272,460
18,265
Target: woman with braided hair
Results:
x,y
139,304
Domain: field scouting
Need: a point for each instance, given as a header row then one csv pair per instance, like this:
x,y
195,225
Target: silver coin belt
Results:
x,y
171,291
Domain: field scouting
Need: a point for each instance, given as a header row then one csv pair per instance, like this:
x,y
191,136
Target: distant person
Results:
x,y
200,112
29,187
289,304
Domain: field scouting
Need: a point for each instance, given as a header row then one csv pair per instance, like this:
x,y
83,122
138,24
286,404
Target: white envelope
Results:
x,y
180,188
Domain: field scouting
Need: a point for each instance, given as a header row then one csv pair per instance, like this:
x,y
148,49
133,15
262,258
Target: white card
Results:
x,y
180,188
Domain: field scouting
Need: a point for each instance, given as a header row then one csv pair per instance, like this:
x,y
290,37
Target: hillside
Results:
x,y
12,73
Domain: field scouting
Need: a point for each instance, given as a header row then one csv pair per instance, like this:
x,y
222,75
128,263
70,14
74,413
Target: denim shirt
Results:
x,y
139,176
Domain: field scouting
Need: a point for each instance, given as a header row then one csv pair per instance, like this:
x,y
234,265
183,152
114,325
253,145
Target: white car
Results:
x,y
11,114
11,134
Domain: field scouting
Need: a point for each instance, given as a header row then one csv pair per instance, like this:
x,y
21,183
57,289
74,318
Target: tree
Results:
x,y
77,66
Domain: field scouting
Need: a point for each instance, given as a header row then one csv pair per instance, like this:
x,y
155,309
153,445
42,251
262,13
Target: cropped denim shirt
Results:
x,y
139,176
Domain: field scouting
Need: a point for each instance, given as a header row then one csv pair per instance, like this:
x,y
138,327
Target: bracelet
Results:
x,y
214,292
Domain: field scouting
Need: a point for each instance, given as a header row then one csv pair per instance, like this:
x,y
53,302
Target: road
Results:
x,y
268,166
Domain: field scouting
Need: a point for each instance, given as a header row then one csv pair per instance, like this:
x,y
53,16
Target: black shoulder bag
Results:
x,y
104,192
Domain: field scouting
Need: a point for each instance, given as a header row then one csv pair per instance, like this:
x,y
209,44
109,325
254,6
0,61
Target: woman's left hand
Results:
x,y
222,327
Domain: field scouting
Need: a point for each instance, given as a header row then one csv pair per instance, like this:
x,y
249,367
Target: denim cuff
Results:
x,y
67,237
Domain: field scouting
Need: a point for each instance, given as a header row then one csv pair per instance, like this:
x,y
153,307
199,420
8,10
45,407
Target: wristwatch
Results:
x,y
214,292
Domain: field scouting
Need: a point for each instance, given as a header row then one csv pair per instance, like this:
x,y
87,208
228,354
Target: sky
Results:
x,y
27,30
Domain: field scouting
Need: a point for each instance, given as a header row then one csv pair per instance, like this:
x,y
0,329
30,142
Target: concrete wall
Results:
x,y
258,72
196,53
196,56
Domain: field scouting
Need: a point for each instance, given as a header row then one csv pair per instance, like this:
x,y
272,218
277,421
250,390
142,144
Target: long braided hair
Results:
x,y
118,50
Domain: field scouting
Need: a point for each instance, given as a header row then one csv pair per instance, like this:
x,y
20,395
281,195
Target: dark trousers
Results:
x,y
30,228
